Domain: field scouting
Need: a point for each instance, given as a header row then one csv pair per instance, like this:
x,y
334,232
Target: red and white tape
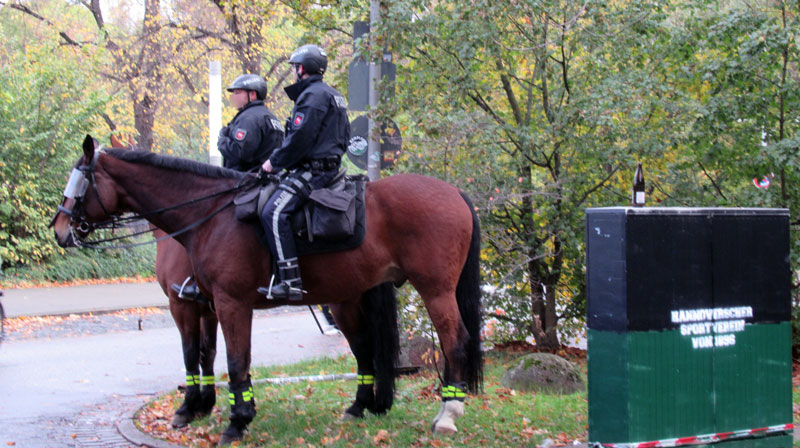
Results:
x,y
702,439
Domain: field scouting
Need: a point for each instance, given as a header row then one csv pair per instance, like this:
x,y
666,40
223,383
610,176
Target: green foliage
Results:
x,y
47,105
86,264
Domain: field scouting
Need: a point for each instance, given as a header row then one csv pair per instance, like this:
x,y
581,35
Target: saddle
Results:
x,y
333,219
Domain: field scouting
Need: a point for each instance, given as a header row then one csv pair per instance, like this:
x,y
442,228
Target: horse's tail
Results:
x,y
468,295
380,309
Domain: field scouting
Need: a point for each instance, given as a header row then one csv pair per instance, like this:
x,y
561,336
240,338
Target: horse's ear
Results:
x,y
89,144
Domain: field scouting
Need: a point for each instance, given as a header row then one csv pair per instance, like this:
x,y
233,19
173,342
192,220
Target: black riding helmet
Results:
x,y
250,82
312,58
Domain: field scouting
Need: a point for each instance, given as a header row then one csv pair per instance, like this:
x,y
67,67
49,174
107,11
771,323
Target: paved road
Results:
x,y
82,299
70,391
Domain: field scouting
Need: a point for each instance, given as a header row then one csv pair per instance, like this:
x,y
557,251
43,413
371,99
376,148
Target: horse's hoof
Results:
x,y
348,417
444,423
181,420
444,427
231,435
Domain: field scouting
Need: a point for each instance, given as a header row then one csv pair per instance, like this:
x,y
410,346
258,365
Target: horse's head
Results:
x,y
89,198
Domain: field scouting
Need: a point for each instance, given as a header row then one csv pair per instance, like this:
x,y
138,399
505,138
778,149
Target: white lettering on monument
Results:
x,y
712,327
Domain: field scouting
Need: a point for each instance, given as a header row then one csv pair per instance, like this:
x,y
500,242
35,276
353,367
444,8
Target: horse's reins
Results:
x,y
115,221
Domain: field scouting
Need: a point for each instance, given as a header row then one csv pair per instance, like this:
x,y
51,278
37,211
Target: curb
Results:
x,y
128,430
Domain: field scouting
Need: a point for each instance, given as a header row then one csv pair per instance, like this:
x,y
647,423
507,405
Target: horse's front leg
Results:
x,y
208,352
236,320
188,323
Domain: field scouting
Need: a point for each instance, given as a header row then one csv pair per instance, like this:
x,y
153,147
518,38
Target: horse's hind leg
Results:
x,y
208,352
188,323
453,337
351,323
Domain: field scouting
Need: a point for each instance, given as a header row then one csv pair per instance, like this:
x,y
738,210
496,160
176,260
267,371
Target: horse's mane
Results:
x,y
174,163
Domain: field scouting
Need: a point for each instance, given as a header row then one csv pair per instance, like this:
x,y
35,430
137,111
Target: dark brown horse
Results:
x,y
419,229
196,323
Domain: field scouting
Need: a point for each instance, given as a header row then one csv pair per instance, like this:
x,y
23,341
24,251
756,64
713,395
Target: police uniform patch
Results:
x,y
298,119
340,102
276,124
240,134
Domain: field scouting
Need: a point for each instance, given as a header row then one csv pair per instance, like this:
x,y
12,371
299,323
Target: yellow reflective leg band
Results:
x,y
192,380
247,395
453,392
366,379
207,380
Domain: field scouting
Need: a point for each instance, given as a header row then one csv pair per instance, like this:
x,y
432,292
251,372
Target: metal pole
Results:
x,y
315,319
374,137
214,111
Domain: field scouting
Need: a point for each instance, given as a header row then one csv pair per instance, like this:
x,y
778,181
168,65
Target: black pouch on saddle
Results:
x,y
248,202
334,216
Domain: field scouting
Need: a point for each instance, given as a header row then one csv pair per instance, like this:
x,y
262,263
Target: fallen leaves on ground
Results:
x,y
155,420
24,325
25,284
382,437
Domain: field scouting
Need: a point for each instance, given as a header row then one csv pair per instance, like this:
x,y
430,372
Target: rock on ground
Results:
x,y
543,372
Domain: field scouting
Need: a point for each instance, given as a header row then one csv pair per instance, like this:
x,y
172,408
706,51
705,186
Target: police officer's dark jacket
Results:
x,y
250,138
318,127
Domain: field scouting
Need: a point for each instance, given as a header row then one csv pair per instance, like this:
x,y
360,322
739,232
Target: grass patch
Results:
x,y
307,414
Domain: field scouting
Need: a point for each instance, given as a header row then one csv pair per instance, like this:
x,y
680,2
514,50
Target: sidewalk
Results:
x,y
82,299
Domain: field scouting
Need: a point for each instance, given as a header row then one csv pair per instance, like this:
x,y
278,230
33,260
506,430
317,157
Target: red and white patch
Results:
x,y
240,134
298,119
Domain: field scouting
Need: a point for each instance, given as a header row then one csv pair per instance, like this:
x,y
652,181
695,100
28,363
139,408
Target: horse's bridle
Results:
x,y
78,184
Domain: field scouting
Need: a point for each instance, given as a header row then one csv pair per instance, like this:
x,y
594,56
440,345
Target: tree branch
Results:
x,y
598,186
716,187
201,32
25,10
512,99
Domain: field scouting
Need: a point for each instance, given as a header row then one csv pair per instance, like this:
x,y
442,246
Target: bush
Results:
x,y
86,264
46,107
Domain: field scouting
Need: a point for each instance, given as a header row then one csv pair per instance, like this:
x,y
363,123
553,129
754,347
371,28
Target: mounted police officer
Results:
x,y
249,139
317,133
245,143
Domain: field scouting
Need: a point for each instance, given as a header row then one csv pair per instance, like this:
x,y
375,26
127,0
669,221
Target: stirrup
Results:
x,y
291,293
183,293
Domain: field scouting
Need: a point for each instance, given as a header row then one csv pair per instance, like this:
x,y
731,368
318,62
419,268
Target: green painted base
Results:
x,y
646,386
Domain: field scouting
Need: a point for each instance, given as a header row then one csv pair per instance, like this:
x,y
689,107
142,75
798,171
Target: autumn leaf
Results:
x,y
381,437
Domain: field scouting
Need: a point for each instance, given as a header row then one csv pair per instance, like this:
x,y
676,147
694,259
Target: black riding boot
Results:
x,y
291,285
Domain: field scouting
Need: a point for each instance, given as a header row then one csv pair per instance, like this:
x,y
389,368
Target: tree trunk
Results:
x,y
145,117
144,101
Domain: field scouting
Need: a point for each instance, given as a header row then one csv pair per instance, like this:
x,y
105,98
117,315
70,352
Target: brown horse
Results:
x,y
196,322
419,229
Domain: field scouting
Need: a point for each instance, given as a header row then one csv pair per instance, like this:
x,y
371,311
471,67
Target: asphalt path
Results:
x,y
69,391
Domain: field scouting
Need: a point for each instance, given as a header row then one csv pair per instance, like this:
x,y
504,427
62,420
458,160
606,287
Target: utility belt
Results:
x,y
327,164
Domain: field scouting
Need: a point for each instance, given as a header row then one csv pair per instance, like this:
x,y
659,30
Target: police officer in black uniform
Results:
x,y
249,139
245,143
317,133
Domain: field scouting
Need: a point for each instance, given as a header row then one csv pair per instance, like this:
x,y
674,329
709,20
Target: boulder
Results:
x,y
419,351
543,372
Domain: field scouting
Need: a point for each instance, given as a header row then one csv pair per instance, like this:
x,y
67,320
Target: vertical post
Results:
x,y
214,111
374,148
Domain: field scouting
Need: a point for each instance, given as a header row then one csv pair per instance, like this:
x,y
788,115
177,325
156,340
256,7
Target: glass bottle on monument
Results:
x,y
638,187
